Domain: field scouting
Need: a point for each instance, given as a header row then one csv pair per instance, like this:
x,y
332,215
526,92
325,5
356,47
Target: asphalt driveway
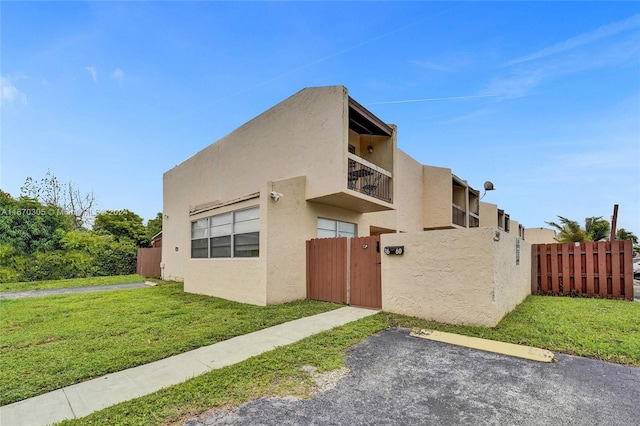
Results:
x,y
400,380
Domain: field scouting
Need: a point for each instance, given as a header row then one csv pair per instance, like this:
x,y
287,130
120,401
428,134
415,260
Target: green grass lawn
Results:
x,y
601,329
73,282
54,341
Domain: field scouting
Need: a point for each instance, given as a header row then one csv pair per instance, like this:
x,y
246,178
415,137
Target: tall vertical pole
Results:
x,y
613,222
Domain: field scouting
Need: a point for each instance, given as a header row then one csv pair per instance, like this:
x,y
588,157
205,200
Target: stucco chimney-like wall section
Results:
x,y
488,214
437,187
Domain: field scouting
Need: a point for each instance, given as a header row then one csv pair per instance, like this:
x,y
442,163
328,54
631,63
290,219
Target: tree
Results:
x,y
597,228
154,226
569,231
28,226
123,225
64,196
623,234
39,240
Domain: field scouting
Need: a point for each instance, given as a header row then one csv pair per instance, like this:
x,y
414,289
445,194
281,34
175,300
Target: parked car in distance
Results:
x,y
636,268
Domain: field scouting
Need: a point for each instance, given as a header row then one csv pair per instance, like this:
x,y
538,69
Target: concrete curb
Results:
x,y
510,349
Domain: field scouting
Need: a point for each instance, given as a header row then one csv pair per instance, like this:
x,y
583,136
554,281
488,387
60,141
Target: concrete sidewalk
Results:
x,y
84,398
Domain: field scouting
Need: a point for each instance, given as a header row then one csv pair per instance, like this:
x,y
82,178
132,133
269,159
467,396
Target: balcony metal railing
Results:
x,y
458,216
474,221
369,179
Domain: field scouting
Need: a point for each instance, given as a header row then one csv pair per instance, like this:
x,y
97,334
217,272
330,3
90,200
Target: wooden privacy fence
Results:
x,y
602,269
149,262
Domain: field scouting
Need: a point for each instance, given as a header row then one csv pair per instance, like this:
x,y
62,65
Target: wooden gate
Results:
x,y
602,269
342,270
149,262
365,280
327,269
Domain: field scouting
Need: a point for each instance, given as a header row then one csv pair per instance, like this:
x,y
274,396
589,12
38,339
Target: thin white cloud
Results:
x,y
527,75
118,76
93,72
449,98
595,160
516,86
604,31
10,94
474,115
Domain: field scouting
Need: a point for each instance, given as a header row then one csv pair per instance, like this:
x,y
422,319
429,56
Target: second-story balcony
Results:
x,y
365,181
369,179
458,216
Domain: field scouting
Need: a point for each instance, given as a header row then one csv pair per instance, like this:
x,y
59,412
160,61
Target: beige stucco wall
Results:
x,y
512,273
454,276
488,214
287,228
540,235
513,227
437,196
176,225
302,135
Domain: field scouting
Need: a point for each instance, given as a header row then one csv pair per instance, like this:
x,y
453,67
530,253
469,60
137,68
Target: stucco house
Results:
x,y
318,164
491,215
541,235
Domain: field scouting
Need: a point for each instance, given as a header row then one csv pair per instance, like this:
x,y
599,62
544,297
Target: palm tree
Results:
x,y
569,231
597,228
623,234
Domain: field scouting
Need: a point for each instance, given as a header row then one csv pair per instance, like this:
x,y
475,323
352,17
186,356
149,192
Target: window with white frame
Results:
x,y
233,234
328,228
199,241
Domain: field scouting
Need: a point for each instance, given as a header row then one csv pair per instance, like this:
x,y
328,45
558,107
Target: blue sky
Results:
x,y
543,99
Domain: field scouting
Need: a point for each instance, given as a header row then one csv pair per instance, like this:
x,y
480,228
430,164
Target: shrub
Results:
x,y
56,265
117,258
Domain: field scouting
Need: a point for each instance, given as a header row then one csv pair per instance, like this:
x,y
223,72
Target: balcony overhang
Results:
x,y
362,121
354,201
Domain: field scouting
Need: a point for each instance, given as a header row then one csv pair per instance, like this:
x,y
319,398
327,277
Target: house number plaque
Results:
x,y
397,250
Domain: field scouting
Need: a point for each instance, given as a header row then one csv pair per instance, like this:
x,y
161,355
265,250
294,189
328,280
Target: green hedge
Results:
x,y
92,256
